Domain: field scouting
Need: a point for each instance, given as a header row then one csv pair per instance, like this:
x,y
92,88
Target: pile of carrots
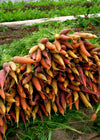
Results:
x,y
53,76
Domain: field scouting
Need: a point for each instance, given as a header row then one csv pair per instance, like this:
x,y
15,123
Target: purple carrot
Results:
x,y
86,90
65,60
82,76
64,37
65,31
23,117
88,81
2,78
96,50
36,64
42,83
40,114
61,86
45,53
78,79
63,47
38,69
63,102
37,97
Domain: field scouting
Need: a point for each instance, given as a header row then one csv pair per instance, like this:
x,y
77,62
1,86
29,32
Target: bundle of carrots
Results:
x,y
53,76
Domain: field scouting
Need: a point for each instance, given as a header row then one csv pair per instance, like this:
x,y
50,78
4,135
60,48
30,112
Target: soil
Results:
x,y
8,34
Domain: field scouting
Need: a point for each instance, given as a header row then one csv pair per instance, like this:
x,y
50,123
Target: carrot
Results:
x,y
64,37
41,76
28,68
33,49
27,79
63,47
50,46
50,96
44,64
54,86
61,110
1,111
49,79
17,111
63,52
65,31
6,67
1,138
41,46
73,55
1,121
76,45
93,117
63,102
40,114
54,107
83,78
12,65
95,99
70,76
23,60
57,36
33,56
2,78
74,88
57,44
42,95
21,91
36,83
38,55
17,103
2,94
70,102
59,58
44,40
48,107
13,115
49,72
44,110
23,103
74,37
14,76
23,67
77,104
66,43
2,105
83,49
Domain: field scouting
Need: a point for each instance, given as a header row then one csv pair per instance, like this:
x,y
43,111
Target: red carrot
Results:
x,y
6,67
40,114
63,102
64,37
44,40
65,31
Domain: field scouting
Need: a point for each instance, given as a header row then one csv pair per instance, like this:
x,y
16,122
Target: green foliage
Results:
x,y
33,10
43,130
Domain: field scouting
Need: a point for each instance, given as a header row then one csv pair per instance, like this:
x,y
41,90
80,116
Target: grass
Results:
x,y
43,130
33,10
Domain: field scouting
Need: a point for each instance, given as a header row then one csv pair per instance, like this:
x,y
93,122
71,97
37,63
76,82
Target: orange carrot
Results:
x,y
2,94
70,102
21,90
93,117
50,46
38,55
36,83
23,103
63,52
58,45
73,87
94,98
77,104
23,60
27,79
82,47
70,76
42,95
44,64
1,138
23,67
